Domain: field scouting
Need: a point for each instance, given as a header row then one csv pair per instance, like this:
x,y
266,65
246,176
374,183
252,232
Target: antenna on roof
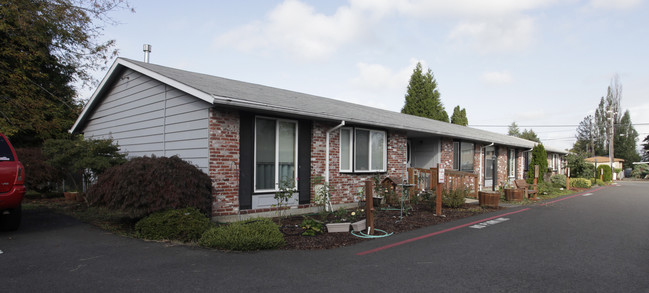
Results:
x,y
147,51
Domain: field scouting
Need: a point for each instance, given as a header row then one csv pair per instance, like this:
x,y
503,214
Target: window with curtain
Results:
x,y
362,150
275,153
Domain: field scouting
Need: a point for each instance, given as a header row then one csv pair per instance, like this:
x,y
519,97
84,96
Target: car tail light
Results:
x,y
20,178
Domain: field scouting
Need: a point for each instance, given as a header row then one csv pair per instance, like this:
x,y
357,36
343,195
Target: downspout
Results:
x,y
328,206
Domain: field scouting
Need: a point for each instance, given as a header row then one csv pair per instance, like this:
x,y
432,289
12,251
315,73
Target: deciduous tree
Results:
x,y
47,46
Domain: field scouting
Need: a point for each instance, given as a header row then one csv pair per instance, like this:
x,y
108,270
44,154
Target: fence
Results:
x,y
426,179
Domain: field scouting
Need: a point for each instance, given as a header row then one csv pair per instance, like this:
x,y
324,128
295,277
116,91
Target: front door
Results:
x,y
489,162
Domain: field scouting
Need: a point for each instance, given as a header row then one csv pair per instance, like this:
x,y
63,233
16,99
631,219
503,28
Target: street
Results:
x,y
593,241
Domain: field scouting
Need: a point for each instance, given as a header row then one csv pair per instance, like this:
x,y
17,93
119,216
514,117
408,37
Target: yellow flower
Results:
x,y
353,213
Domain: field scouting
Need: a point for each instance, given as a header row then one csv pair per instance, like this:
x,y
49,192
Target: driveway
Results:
x,y
596,241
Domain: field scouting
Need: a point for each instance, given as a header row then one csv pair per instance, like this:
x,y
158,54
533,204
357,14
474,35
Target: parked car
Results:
x,y
12,186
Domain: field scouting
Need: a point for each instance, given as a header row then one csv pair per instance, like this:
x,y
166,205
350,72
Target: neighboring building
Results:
x,y
249,137
600,160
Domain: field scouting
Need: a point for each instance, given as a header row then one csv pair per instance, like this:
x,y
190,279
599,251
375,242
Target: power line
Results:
x,y
556,125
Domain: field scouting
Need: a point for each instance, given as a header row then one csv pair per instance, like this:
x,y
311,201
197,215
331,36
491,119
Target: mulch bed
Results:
x,y
422,215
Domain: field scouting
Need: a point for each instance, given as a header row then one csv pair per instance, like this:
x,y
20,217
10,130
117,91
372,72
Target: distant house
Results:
x,y
248,137
600,160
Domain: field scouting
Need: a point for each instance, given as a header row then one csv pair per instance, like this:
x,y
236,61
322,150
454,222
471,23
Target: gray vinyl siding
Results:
x,y
147,117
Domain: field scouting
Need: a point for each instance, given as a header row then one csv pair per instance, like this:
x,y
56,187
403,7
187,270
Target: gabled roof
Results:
x,y
238,94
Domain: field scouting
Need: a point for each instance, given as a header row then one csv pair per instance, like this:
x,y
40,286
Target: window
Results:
x,y
512,163
463,156
5,151
275,153
555,162
346,150
466,158
369,150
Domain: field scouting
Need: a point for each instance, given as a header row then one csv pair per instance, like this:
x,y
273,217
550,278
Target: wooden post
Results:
x,y
536,176
568,179
601,175
438,201
475,186
369,206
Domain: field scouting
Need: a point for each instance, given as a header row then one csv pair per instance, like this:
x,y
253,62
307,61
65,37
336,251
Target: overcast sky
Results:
x,y
533,62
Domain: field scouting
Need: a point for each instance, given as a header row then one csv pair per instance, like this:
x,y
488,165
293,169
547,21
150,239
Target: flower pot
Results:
x,y
376,201
70,196
512,194
79,197
360,225
338,227
489,198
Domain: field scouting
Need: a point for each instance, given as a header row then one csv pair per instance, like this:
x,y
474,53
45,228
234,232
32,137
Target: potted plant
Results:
x,y
511,193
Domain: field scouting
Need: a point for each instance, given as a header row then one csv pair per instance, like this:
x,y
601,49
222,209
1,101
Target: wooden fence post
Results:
x,y
369,205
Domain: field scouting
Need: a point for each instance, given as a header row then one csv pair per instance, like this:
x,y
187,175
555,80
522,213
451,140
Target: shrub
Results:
x,y
607,172
580,183
82,156
640,171
451,198
558,180
545,188
39,174
539,157
146,185
600,182
254,234
186,225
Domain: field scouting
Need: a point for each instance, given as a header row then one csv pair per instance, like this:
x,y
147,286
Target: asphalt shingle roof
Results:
x,y
240,94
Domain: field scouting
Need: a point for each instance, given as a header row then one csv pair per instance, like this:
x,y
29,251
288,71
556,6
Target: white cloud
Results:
x,y
491,36
497,77
376,77
617,4
457,8
298,29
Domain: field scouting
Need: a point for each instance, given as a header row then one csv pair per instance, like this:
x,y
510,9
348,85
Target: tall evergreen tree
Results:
x,y
459,116
645,148
530,135
514,130
625,141
539,157
585,143
423,98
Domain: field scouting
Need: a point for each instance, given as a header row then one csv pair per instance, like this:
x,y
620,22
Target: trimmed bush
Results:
x,y
580,183
146,185
254,234
451,198
607,172
600,182
558,180
186,225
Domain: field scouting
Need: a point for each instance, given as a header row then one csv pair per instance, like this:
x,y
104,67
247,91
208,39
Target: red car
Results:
x,y
12,186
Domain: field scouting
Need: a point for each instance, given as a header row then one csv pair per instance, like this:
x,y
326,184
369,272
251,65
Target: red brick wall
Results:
x,y
502,166
520,164
224,160
345,186
446,157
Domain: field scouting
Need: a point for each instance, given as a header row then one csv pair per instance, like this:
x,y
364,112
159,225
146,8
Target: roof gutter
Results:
x,y
328,205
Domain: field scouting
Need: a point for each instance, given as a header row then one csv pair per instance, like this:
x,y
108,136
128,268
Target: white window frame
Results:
x,y
353,151
277,120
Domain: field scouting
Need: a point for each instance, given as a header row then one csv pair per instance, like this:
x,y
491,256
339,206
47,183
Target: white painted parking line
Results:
x,y
489,223
587,194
